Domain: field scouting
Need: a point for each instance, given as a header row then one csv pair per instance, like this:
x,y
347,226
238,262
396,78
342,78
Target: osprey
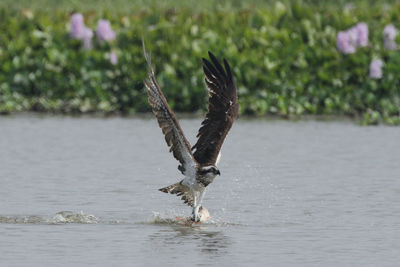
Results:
x,y
198,163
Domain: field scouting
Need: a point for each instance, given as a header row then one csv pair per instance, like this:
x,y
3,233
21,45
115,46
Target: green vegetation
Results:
x,y
283,55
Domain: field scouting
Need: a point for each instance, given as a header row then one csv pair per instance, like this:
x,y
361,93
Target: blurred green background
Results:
x,y
283,54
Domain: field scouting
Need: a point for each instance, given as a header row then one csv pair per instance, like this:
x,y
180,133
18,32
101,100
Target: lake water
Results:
x,y
83,191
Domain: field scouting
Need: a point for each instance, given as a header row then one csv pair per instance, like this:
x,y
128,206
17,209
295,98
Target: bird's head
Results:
x,y
213,170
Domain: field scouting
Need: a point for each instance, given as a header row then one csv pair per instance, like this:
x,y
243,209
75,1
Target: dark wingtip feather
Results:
x,y
209,66
216,64
228,69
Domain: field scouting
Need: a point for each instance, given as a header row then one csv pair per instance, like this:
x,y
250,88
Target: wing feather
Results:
x,y
222,111
174,136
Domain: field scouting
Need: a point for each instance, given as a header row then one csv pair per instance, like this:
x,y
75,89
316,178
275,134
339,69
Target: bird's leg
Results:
x,y
201,196
197,205
195,211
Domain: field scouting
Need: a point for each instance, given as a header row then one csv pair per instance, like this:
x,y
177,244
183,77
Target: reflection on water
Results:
x,y
208,241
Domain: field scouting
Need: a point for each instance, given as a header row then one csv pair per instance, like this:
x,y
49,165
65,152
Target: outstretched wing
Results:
x,y
222,111
168,123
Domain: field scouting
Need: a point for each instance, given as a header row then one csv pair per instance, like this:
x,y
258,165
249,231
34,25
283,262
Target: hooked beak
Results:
x,y
218,172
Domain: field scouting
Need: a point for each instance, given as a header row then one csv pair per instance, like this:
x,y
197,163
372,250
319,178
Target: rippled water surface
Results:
x,y
83,191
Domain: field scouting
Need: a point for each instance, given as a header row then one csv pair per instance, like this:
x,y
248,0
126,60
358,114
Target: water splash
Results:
x,y
169,219
62,217
71,217
181,220
158,219
30,219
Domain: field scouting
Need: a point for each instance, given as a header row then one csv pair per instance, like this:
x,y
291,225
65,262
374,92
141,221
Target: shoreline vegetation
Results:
x,y
291,59
182,116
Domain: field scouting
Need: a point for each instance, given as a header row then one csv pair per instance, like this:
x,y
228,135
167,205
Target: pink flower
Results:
x,y
113,58
344,42
375,69
362,34
87,39
80,31
77,26
353,36
348,41
389,33
104,31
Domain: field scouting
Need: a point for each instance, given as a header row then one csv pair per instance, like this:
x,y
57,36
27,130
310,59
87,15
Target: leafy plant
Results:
x,y
284,59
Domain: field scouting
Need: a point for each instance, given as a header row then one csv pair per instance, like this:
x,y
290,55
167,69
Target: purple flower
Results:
x,y
104,31
362,34
80,31
389,33
77,26
375,69
348,41
113,58
87,39
353,36
344,42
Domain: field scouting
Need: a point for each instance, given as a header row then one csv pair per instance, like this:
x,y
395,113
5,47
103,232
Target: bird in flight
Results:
x,y
198,164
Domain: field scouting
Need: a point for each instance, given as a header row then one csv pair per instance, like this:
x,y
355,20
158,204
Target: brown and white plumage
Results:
x,y
197,164
222,111
168,123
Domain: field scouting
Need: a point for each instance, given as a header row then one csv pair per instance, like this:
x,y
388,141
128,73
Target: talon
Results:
x,y
195,218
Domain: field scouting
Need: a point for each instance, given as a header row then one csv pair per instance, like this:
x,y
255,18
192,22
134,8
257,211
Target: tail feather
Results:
x,y
180,190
